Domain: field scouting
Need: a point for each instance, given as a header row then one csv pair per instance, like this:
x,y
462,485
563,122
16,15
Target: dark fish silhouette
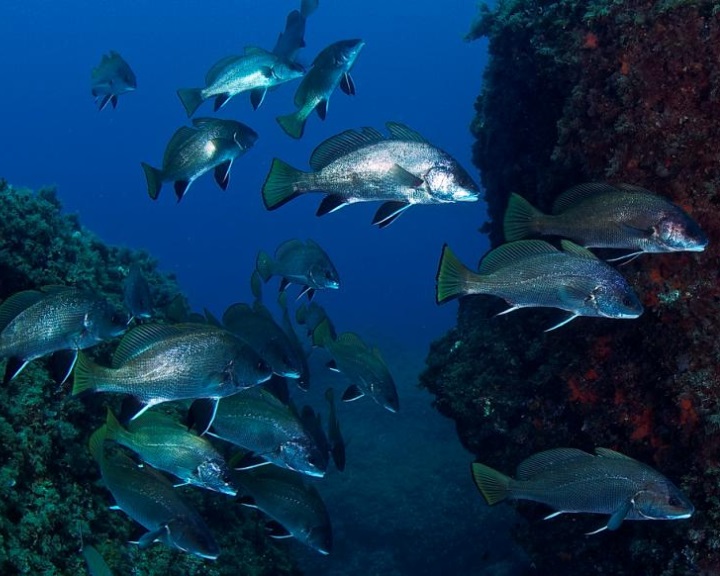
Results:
x,y
111,78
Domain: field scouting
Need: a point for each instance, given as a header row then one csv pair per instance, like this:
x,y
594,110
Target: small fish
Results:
x,y
303,381
150,499
293,503
111,78
212,144
96,564
256,326
297,262
330,69
136,292
400,170
335,438
56,320
157,363
257,421
533,273
168,445
597,215
311,315
573,481
255,71
362,365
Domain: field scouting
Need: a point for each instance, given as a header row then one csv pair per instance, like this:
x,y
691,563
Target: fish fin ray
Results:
x,y
402,132
257,97
341,145
509,254
221,173
521,219
280,186
451,280
493,485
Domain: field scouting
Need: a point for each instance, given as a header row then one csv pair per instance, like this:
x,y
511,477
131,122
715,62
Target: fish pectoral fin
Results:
x,y
332,365
284,283
257,96
569,318
277,530
330,203
404,178
202,413
181,188
347,84
250,461
248,501
222,174
389,212
61,364
153,536
13,367
620,514
104,102
321,109
131,408
306,290
220,101
553,515
508,310
352,393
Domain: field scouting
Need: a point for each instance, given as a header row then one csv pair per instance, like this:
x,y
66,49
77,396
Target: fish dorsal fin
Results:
x,y
632,189
57,289
401,132
342,144
575,250
141,338
607,453
287,248
577,194
219,67
18,303
513,252
181,136
544,461
256,51
351,339
236,315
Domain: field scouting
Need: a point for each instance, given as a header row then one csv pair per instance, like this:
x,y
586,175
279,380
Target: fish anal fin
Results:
x,y
222,174
347,84
388,213
330,203
321,109
181,187
352,393
13,367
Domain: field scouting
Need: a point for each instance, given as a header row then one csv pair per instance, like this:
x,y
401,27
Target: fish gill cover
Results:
x,y
626,92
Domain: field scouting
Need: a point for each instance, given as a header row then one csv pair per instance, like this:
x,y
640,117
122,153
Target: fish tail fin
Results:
x,y
264,265
322,334
521,219
452,277
280,184
293,124
493,485
191,99
83,375
154,180
113,428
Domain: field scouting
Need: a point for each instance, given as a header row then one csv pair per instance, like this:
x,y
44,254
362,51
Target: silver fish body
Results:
x,y
292,502
158,363
573,481
150,499
259,422
597,215
533,273
111,78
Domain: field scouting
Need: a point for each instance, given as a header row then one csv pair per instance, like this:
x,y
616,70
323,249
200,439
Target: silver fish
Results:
x,y
362,365
150,499
298,262
212,144
330,69
573,481
111,78
401,170
533,273
597,215
254,71
35,323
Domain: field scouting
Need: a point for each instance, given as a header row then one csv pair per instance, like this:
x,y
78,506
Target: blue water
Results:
x,y
414,69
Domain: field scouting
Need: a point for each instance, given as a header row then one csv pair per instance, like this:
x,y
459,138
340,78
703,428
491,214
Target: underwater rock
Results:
x,y
580,91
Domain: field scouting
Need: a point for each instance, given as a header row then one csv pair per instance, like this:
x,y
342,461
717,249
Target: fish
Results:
x,y
573,481
110,79
298,262
257,421
254,71
157,363
400,170
533,273
598,215
311,315
292,39
212,144
256,326
330,69
167,445
136,294
334,435
150,499
362,365
303,381
96,564
293,503
57,320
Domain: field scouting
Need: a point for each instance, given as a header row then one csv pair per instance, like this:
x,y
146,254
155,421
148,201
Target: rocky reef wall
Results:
x,y
614,91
